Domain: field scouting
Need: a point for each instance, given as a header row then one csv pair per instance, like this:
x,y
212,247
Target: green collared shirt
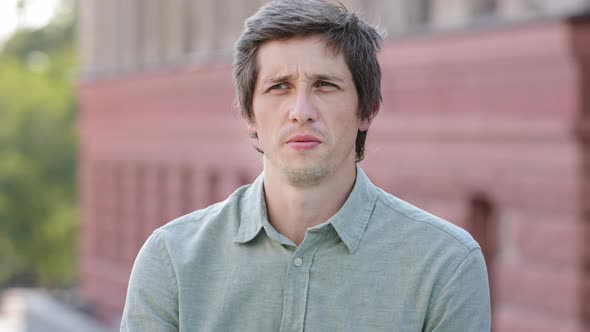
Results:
x,y
378,264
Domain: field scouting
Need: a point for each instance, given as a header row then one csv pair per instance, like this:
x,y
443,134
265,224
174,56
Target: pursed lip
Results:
x,y
304,139
303,142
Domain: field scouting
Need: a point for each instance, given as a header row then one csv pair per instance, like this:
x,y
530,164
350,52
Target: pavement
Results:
x,y
35,310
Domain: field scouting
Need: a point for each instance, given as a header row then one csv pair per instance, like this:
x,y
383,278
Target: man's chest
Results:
x,y
324,291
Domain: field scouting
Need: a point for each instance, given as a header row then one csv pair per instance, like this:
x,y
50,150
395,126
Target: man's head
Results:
x,y
343,34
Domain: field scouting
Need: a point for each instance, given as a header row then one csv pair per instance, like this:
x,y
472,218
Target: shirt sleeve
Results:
x,y
463,302
152,294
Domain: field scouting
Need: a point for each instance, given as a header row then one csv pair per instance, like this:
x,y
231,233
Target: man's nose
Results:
x,y
303,109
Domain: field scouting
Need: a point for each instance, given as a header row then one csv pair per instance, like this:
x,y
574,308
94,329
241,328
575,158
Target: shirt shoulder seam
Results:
x,y
170,268
190,218
458,261
465,245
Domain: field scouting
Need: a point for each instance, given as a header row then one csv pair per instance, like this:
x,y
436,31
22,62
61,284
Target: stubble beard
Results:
x,y
306,176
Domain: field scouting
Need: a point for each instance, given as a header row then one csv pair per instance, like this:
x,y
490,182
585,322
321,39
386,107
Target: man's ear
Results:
x,y
251,130
249,125
365,124
253,133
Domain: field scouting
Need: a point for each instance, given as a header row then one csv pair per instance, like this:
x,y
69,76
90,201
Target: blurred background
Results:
x,y
117,116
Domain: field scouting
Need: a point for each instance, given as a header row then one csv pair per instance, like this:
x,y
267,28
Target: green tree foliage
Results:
x,y
38,210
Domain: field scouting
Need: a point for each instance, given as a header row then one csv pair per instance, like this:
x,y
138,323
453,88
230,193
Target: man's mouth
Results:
x,y
303,142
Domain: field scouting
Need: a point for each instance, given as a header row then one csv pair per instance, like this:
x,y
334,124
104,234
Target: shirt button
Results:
x,y
298,261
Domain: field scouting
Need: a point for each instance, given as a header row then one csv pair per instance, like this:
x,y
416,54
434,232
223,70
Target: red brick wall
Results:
x,y
494,112
481,128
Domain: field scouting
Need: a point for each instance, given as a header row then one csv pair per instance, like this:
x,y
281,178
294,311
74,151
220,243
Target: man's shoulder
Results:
x,y
405,216
226,212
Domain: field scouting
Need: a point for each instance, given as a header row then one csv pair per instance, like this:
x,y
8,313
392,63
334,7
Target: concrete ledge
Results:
x,y
32,310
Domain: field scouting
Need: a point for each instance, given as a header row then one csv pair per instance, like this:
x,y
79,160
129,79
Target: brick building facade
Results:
x,y
484,122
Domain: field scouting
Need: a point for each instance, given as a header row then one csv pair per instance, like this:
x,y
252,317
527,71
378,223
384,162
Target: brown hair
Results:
x,y
343,32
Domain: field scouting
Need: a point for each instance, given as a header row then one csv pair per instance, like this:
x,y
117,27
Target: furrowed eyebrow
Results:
x,y
325,77
277,79
313,77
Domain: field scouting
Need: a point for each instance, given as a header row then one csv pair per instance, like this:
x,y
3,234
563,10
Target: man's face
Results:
x,y
305,110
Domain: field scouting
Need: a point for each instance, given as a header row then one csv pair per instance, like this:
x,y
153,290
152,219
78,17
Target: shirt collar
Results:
x,y
252,211
349,222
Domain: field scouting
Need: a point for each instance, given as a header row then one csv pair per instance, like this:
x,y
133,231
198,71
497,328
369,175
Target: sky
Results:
x,y
37,14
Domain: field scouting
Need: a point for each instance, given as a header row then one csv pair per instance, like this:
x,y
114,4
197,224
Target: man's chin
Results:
x,y
306,176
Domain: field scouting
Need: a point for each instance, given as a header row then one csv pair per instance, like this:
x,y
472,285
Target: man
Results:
x,y
312,244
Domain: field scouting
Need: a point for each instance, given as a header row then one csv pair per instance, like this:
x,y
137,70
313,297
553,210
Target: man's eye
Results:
x,y
280,86
321,84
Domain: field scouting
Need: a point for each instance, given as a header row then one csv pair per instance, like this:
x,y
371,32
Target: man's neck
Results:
x,y
294,209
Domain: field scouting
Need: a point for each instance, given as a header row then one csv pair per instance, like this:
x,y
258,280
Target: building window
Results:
x,y
482,225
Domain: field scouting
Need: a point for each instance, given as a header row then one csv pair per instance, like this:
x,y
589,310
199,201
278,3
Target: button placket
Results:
x,y
297,283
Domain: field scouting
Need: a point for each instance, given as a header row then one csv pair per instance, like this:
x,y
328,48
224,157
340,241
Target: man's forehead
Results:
x,y
318,42
309,55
